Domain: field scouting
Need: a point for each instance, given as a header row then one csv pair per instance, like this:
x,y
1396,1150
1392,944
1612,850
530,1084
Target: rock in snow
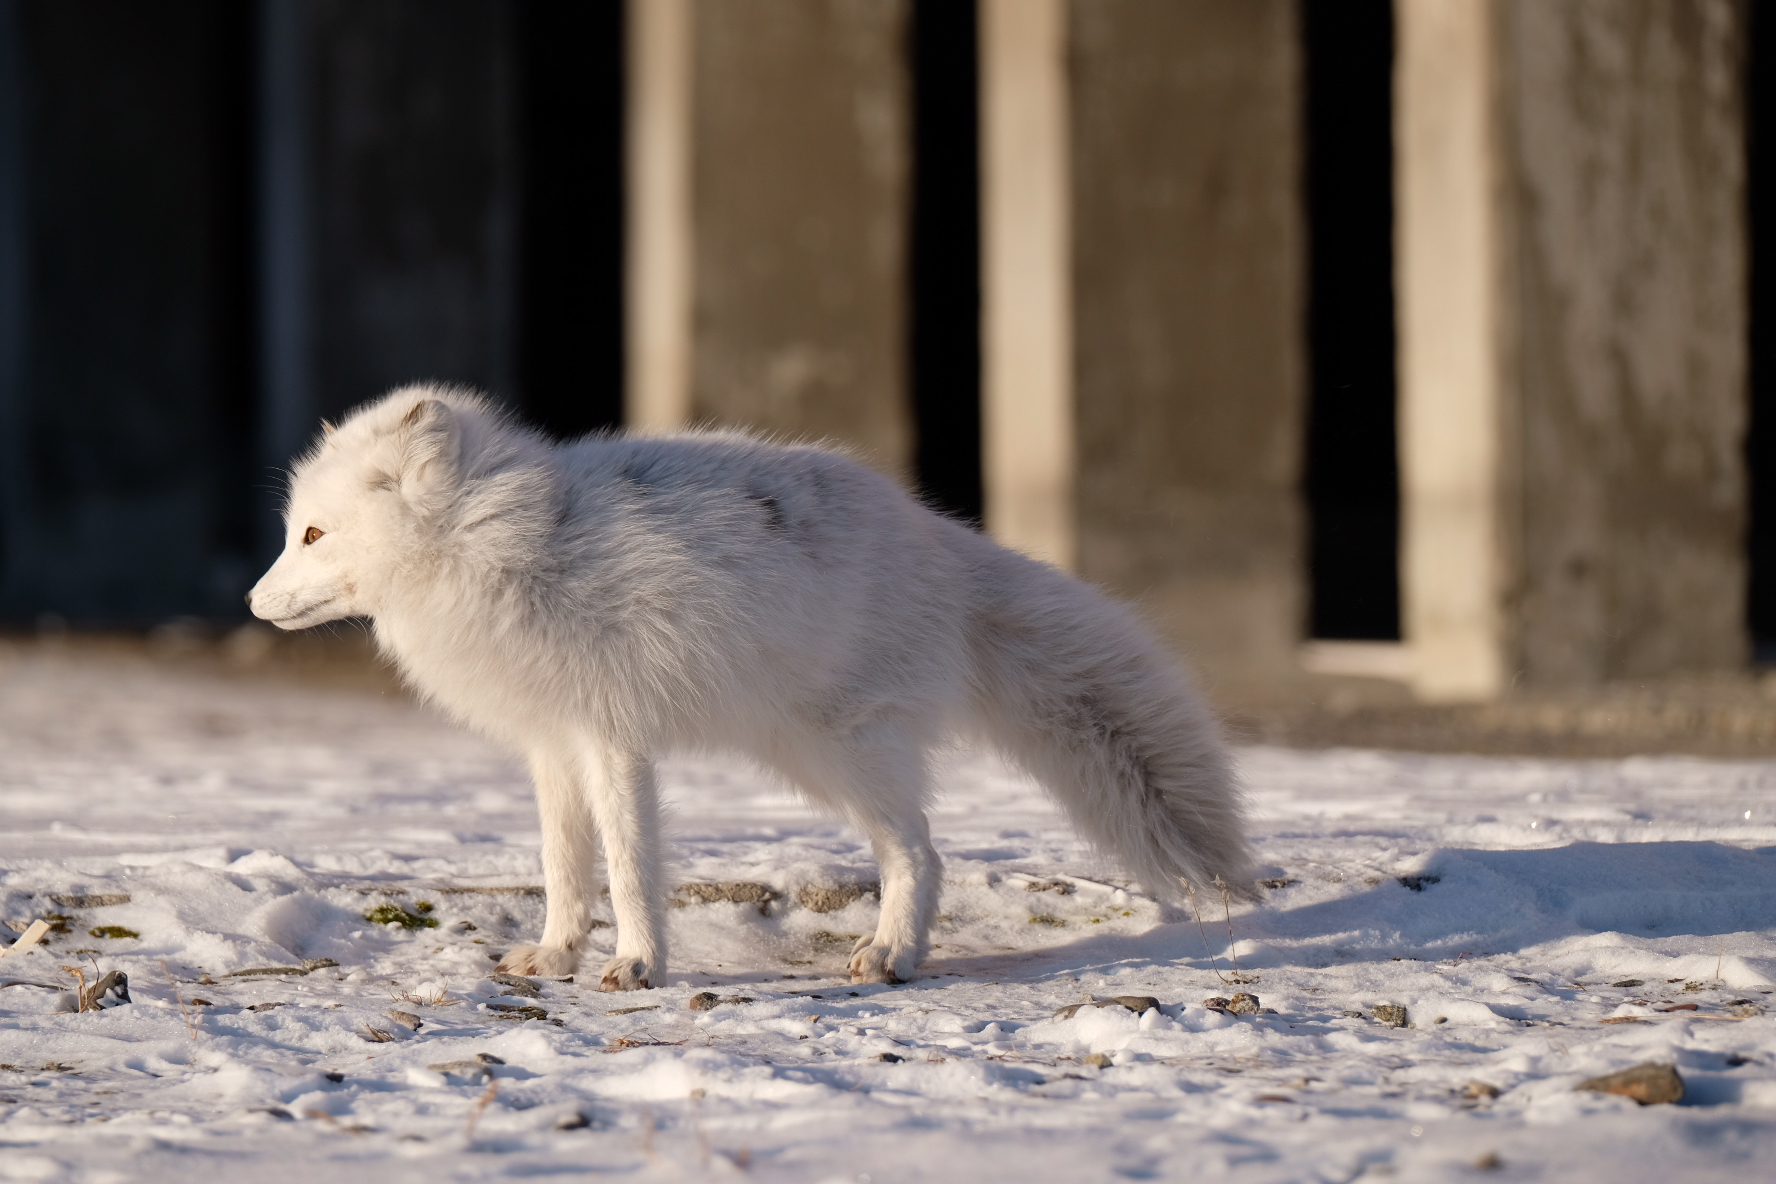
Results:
x,y
1649,1084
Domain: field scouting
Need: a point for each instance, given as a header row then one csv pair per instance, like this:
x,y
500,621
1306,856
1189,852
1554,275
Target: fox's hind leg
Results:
x,y
627,807
911,873
880,785
570,870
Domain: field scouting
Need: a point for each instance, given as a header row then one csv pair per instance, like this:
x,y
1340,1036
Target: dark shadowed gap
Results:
x,y
233,283
1760,444
570,317
944,280
134,425
1352,478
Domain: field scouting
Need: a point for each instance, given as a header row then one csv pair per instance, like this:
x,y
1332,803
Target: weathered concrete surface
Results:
x,y
1573,355
1188,289
800,119
1627,144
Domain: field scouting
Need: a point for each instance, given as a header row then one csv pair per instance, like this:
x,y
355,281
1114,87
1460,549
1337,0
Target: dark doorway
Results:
x,y
1353,490
415,197
944,268
1760,444
126,464
570,319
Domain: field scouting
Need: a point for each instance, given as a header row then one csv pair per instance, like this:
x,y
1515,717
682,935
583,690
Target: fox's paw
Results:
x,y
543,960
625,974
873,963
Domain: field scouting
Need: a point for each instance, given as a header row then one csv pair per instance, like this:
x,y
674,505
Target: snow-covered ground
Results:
x,y
253,824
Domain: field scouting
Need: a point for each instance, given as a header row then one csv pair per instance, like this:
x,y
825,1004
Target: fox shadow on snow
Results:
x,y
1467,901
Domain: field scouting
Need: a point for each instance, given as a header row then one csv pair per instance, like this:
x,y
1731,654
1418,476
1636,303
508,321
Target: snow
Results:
x,y
253,822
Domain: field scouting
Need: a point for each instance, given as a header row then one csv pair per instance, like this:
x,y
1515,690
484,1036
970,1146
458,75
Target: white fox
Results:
x,y
602,603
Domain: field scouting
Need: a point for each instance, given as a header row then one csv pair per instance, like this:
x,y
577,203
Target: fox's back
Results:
x,y
767,564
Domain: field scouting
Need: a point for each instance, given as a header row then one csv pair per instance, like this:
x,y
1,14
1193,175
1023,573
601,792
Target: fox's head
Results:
x,y
365,505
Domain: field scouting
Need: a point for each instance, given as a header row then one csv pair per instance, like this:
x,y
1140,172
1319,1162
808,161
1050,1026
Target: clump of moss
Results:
x,y
386,914
113,931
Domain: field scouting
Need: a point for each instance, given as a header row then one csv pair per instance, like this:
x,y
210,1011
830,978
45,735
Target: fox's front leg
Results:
x,y
570,870
627,807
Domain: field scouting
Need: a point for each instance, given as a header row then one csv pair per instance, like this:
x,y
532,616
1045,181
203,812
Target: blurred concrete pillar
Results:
x,y
799,124
1451,206
1027,407
1187,277
657,284
1572,312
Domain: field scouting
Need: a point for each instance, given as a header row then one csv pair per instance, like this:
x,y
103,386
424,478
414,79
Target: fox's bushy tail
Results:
x,y
1077,691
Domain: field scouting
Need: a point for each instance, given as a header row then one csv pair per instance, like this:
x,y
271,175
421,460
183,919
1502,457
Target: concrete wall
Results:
x,y
1573,317
800,117
1626,145
1188,290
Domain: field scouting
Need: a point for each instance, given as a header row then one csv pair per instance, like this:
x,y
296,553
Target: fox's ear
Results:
x,y
430,439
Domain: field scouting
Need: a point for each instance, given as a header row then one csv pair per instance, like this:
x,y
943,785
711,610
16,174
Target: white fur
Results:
x,y
602,603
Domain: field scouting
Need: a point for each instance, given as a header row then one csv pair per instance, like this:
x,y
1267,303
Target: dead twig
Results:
x,y
1237,977
36,932
1196,911
1232,946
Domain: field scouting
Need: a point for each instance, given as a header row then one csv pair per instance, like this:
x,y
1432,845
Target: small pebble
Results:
x,y
1391,1014
1244,1004
1099,1060
406,1019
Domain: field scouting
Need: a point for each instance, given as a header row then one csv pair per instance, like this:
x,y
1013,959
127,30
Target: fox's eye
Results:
x,y
311,534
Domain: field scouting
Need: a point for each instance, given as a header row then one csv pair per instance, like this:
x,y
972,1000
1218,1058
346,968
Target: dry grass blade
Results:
x,y
350,1128
623,1042
436,999
190,1024
80,990
481,1106
377,1035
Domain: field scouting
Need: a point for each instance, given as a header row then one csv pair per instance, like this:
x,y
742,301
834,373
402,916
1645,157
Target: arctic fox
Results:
x,y
601,603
